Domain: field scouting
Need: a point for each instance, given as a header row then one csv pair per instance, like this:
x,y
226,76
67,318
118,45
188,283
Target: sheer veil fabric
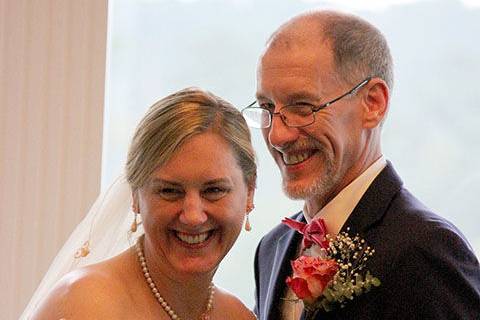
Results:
x,y
105,230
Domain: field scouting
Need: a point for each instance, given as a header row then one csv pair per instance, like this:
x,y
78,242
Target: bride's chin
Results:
x,y
197,258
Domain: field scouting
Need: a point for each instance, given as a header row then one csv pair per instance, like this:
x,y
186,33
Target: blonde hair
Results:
x,y
176,118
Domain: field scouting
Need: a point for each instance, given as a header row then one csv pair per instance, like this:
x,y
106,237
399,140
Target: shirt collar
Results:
x,y
337,211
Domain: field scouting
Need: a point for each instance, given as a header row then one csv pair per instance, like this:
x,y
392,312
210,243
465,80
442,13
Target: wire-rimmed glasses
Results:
x,y
296,115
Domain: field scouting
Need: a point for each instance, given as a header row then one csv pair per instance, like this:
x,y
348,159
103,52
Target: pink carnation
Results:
x,y
310,277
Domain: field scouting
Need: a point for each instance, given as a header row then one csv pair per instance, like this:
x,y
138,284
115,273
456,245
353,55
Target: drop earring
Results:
x,y
248,226
133,226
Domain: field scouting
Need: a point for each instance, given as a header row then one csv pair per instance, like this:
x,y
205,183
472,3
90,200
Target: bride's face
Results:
x,y
193,206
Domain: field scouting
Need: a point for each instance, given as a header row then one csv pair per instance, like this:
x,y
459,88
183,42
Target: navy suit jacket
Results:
x,y
426,267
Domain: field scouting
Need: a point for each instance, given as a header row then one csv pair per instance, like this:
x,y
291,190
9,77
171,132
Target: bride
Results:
x,y
191,173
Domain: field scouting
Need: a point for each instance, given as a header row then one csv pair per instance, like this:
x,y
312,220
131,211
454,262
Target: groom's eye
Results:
x,y
267,106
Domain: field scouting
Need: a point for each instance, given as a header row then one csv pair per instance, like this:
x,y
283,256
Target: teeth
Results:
x,y
192,239
295,158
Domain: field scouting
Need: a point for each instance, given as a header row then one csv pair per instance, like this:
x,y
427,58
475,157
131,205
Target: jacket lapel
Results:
x,y
285,251
374,203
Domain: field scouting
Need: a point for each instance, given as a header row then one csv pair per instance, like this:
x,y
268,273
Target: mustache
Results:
x,y
300,145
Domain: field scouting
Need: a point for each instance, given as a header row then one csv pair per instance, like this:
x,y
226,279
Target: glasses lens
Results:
x,y
257,117
298,115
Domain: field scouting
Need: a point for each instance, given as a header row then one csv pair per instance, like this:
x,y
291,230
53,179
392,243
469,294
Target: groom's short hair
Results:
x,y
359,48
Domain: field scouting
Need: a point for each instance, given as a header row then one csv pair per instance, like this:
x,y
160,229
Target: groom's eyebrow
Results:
x,y
294,97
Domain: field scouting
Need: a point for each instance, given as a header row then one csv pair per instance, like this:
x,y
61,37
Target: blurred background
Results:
x,y
432,134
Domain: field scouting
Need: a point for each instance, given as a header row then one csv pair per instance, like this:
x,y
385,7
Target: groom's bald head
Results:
x,y
357,46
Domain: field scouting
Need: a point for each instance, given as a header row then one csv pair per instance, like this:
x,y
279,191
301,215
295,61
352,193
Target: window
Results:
x,y
432,134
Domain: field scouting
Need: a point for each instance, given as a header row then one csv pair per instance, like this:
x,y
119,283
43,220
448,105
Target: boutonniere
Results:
x,y
336,275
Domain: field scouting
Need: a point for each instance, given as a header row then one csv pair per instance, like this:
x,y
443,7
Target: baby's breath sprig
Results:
x,y
351,255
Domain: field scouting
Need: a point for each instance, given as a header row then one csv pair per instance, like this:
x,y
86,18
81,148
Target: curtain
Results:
x,y
52,73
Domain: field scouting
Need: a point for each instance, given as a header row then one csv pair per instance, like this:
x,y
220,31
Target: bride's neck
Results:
x,y
187,294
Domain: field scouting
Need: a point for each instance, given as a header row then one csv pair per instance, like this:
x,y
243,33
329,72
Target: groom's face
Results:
x,y
313,159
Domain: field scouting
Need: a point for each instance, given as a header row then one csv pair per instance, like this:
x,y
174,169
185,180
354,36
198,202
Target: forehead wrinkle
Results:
x,y
291,86
310,66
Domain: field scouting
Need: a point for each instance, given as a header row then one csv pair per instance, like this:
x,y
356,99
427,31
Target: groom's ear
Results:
x,y
375,103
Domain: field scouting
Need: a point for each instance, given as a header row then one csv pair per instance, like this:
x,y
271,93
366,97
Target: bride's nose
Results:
x,y
193,210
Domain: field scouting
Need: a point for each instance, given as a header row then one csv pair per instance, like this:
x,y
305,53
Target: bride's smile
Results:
x,y
192,207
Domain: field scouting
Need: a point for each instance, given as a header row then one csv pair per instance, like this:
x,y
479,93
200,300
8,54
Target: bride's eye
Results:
x,y
169,193
214,193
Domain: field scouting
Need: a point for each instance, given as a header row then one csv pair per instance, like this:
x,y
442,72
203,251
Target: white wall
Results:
x,y
52,71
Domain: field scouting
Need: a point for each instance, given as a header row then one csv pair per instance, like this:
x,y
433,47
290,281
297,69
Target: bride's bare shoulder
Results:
x,y
92,292
230,304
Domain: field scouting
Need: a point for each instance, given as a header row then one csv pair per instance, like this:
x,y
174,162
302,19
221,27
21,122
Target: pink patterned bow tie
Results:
x,y
313,232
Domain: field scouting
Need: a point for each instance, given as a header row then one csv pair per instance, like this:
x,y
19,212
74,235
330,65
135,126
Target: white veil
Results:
x,y
103,232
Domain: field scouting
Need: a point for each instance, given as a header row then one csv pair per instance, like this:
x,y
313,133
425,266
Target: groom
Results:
x,y
324,84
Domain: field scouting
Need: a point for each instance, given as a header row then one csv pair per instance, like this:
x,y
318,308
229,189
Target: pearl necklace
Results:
x,y
166,307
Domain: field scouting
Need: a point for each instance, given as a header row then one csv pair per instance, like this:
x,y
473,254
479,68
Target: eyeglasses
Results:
x,y
295,115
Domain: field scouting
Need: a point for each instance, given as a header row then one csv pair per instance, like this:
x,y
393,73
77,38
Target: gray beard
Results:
x,y
320,187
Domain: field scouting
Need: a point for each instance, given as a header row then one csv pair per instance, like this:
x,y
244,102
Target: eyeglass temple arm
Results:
x,y
354,90
251,104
